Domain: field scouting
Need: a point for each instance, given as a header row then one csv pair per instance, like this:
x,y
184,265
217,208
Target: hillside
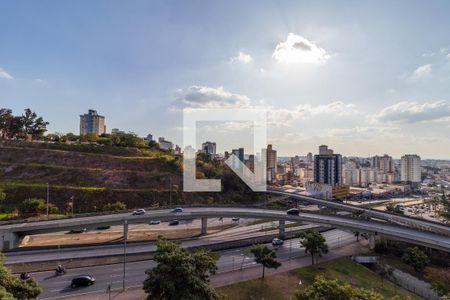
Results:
x,y
97,175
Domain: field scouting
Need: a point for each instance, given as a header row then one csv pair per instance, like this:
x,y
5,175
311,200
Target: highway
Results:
x,y
420,224
230,260
393,231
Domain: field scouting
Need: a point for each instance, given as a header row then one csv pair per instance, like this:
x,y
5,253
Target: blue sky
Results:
x,y
363,77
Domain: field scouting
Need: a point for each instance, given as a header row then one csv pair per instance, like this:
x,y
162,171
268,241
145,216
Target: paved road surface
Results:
x,y
229,260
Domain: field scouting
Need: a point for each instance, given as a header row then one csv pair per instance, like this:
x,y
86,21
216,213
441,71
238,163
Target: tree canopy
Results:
x,y
32,206
12,287
180,274
314,243
266,257
28,124
416,258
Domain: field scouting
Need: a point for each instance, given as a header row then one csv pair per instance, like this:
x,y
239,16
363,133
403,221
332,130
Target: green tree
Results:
x,y
32,206
12,287
395,209
5,122
90,137
180,274
314,243
325,289
116,206
416,258
2,196
266,257
32,124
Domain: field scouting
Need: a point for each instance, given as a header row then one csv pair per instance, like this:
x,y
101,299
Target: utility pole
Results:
x,y
72,203
170,181
125,237
48,196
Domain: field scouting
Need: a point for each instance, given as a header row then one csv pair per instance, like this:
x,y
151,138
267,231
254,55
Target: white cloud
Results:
x,y
297,49
448,56
422,71
5,75
198,97
242,57
411,112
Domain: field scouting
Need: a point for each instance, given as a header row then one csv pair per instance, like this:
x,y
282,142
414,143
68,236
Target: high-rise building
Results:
x,y
328,167
271,163
386,164
410,169
250,162
309,157
239,153
209,148
92,122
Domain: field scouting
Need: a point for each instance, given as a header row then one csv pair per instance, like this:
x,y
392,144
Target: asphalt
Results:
x,y
230,260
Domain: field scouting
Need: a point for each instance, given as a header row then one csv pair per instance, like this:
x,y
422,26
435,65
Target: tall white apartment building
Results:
x,y
410,168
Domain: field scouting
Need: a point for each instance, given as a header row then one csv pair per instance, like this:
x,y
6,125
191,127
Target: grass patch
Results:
x,y
284,285
3,216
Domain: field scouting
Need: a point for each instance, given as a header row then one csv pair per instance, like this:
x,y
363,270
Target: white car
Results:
x,y
139,212
277,242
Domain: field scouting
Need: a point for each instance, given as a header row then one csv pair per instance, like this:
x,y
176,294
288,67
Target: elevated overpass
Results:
x,y
419,224
11,233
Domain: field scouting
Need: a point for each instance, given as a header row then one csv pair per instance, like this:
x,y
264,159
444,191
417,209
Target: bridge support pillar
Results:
x,y
9,240
204,225
372,240
281,229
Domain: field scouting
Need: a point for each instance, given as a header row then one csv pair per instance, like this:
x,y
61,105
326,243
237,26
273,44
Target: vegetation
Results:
x,y
180,274
332,289
314,243
266,257
392,208
416,258
32,206
116,206
20,127
285,285
12,287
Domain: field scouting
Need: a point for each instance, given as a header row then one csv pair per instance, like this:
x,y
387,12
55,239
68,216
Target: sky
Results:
x,y
363,77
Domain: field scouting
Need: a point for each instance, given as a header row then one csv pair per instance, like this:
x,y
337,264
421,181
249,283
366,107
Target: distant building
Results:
x,y
271,163
92,122
149,138
410,169
386,164
309,157
250,162
239,153
209,148
165,145
327,167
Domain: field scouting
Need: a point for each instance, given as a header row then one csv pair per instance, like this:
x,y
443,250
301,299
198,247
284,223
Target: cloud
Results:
x,y
242,57
297,49
5,75
422,71
412,112
448,56
198,97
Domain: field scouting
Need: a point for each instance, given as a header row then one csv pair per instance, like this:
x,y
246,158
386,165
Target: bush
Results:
x,y
116,206
32,206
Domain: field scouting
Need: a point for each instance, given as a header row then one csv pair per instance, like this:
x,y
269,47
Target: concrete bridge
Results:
x,y
10,234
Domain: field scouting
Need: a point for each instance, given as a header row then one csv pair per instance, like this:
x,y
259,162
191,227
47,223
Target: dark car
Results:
x,y
83,280
293,212
81,230
174,223
105,227
277,242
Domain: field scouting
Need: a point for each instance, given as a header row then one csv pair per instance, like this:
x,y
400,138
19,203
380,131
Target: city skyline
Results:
x,y
326,76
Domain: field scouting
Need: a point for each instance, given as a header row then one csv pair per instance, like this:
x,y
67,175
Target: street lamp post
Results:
x,y
125,237
48,196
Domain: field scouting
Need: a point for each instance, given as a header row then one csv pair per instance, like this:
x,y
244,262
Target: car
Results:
x,y
235,219
176,210
81,230
82,280
139,212
174,223
277,242
105,227
154,222
293,212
